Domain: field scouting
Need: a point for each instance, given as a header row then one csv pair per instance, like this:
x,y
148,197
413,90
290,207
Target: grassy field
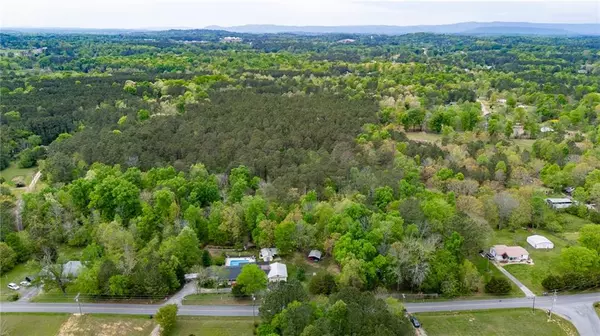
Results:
x,y
488,271
423,136
32,324
215,299
214,326
545,261
69,252
13,171
16,275
524,143
499,322
64,324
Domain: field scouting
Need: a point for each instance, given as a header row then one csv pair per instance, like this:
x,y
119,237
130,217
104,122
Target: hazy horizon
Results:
x,y
192,14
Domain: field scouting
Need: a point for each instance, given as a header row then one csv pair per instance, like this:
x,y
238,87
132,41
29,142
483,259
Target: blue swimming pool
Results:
x,y
238,261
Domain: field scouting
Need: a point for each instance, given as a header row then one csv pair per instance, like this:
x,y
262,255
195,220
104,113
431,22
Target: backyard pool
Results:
x,y
239,261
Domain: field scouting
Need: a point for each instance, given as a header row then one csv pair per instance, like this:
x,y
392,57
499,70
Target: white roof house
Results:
x,y
509,253
267,254
559,203
278,272
540,242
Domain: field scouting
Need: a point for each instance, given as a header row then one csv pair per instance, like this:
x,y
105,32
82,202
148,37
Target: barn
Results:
x,y
540,242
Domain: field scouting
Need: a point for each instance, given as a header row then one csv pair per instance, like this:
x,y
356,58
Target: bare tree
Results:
x,y
52,275
506,203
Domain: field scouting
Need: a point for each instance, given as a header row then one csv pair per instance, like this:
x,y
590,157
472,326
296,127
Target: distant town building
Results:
x,y
346,41
231,39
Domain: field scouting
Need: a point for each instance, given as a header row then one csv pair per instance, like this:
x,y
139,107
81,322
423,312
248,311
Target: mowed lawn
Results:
x,y
545,261
40,324
216,299
214,326
14,324
487,271
16,275
498,322
13,172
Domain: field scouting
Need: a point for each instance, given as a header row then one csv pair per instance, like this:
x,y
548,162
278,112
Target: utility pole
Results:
x,y
533,307
253,313
553,303
78,303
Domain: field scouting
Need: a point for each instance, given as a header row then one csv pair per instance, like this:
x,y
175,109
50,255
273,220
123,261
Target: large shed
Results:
x,y
540,242
278,272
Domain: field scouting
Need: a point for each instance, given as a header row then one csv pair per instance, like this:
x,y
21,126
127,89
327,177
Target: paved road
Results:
x,y
575,308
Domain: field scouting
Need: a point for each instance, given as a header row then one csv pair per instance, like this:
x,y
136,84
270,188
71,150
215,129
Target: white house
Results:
x,y
559,203
509,253
278,272
540,242
72,268
546,129
267,254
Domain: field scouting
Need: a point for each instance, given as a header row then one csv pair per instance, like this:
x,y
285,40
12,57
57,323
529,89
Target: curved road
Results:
x,y
576,308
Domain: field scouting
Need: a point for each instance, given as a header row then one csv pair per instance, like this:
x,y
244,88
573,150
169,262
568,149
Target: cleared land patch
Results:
x,y
499,322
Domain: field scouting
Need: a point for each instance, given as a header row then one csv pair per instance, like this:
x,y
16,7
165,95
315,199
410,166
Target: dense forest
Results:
x,y
400,157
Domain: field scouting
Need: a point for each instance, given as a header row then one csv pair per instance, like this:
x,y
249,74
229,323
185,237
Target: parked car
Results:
x,y
25,283
13,286
415,322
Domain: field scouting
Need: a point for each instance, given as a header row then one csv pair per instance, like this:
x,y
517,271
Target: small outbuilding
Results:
x,y
559,203
540,242
268,254
277,272
315,255
72,269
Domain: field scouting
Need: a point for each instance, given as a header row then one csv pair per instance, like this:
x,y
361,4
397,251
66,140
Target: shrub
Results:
x,y
322,283
218,260
206,258
238,291
166,318
8,258
301,274
13,296
498,286
552,282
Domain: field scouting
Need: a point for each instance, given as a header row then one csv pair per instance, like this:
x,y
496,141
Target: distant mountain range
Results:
x,y
468,28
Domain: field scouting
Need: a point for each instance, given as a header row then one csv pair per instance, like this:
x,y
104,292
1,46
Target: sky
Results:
x,y
158,14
